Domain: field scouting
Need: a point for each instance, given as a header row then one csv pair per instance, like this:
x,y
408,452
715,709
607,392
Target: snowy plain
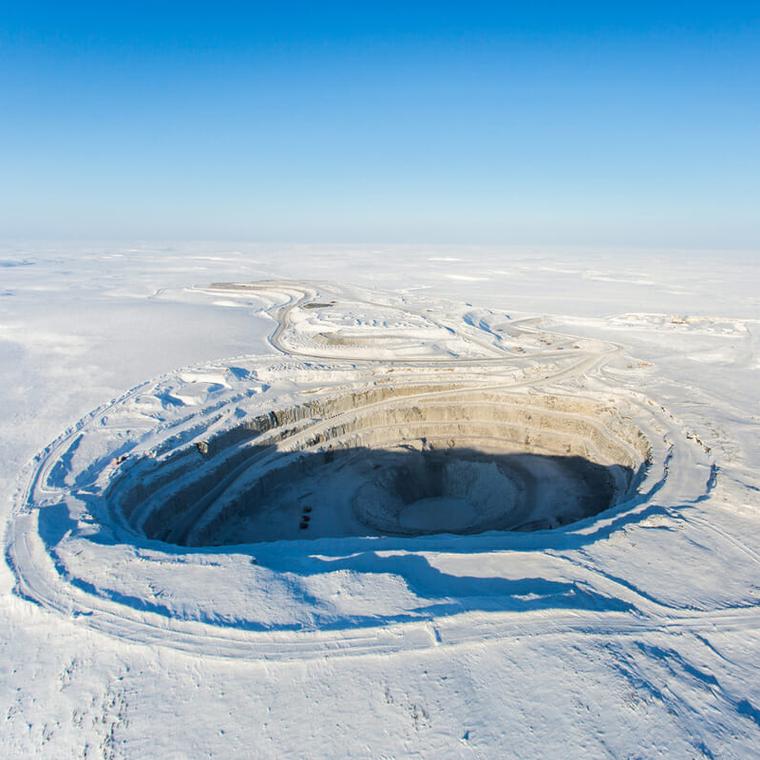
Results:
x,y
633,633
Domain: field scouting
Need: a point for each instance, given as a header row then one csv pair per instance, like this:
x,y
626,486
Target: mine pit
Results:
x,y
404,461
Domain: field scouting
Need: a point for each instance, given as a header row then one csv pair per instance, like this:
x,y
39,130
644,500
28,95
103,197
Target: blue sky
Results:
x,y
522,123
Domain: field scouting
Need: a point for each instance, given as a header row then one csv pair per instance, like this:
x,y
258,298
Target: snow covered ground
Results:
x,y
633,631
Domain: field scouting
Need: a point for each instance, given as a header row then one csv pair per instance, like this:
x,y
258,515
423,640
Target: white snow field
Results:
x,y
345,502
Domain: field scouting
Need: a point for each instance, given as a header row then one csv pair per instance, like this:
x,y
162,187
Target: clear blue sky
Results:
x,y
533,122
